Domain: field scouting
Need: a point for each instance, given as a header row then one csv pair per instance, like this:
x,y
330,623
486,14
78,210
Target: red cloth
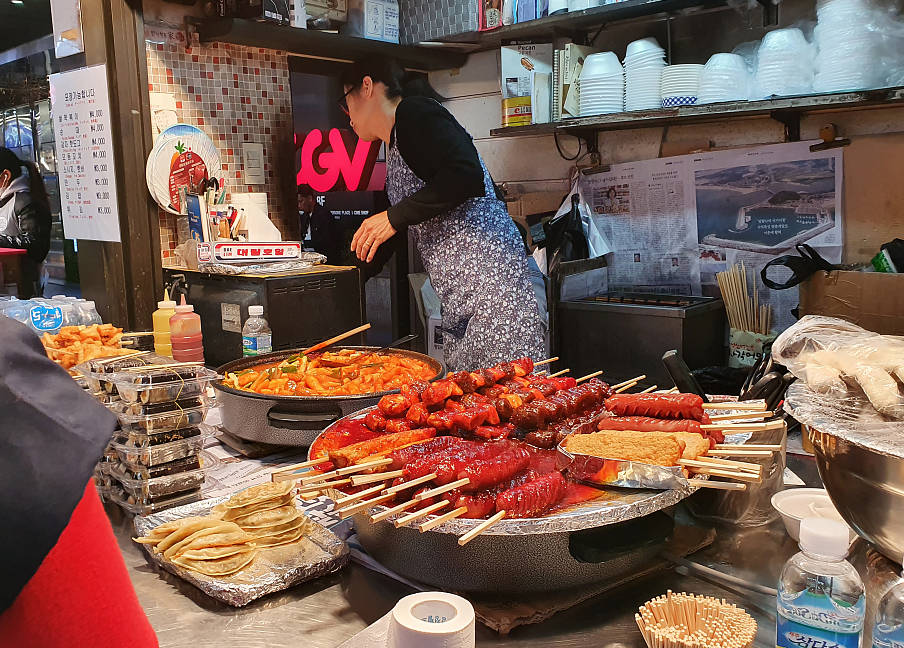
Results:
x,y
81,595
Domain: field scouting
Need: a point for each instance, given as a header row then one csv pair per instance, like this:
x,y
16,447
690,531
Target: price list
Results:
x,y
80,105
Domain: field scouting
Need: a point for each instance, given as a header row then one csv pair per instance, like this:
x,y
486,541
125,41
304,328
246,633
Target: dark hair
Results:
x,y
305,191
10,162
398,82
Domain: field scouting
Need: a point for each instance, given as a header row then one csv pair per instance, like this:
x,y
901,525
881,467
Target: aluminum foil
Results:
x,y
620,474
274,569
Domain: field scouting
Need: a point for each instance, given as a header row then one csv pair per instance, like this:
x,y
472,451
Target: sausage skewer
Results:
x,y
589,376
480,528
442,519
427,510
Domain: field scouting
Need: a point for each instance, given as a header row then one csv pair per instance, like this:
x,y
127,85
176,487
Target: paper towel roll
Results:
x,y
432,620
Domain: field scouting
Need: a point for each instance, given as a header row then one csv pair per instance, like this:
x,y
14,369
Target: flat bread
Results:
x,y
268,517
233,513
214,527
295,524
183,532
213,553
276,541
260,493
221,566
161,531
218,540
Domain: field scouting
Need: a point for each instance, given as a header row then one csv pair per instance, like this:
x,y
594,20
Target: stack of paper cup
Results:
x,y
848,57
784,64
644,62
725,78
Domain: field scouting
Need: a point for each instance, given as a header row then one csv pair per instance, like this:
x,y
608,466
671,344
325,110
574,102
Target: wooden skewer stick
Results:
x,y
137,333
541,373
728,463
634,380
739,453
319,486
718,472
123,343
439,490
624,388
360,506
427,510
746,427
338,338
376,463
168,365
342,501
442,519
319,477
559,373
649,389
589,376
759,406
299,466
749,446
480,528
739,417
411,483
547,361
382,515
360,480
706,483
673,390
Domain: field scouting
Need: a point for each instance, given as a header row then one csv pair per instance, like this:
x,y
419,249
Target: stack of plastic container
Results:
x,y
154,461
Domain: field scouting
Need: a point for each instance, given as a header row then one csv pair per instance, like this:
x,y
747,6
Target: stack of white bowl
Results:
x,y
644,62
848,48
725,77
680,85
784,64
602,85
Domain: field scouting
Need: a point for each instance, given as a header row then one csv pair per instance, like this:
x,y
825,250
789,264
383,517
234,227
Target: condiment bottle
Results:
x,y
161,318
185,334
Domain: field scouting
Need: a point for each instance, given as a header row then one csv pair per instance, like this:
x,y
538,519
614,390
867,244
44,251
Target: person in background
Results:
x,y
323,227
441,191
24,217
63,581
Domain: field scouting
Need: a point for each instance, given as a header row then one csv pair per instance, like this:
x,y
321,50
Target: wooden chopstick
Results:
x,y
398,488
382,515
439,490
442,519
361,480
480,528
634,380
427,510
338,338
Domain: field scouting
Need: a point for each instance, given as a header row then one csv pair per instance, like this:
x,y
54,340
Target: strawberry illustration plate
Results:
x,y
183,156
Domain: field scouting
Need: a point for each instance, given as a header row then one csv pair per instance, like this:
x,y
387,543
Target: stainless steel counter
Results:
x,y
327,612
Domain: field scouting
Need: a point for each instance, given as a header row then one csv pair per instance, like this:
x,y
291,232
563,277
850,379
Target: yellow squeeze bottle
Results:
x,y
161,318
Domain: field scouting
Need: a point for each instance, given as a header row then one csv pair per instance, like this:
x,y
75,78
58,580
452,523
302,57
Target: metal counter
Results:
x,y
324,613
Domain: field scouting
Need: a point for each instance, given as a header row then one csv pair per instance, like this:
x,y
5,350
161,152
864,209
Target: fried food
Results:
x,y
695,444
74,345
259,494
204,544
658,449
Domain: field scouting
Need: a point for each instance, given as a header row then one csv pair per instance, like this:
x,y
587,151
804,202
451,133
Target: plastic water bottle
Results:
x,y
821,603
256,336
888,632
90,314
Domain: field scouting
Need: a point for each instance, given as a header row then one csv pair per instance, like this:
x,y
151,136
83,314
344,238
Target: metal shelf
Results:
x,y
316,44
787,110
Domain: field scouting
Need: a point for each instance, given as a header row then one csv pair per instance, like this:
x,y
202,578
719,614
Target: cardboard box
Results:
x,y
873,300
526,83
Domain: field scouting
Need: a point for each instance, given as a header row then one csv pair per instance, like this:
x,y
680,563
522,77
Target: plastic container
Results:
x,y
185,334
162,385
162,453
98,372
160,423
795,504
820,595
137,507
888,631
161,318
145,491
257,339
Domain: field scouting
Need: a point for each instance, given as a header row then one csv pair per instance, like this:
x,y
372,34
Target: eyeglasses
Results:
x,y
343,104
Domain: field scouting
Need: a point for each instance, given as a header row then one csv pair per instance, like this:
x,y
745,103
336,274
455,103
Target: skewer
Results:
x,y
624,388
728,463
427,510
298,466
363,494
382,515
136,333
559,373
333,340
376,463
442,519
649,389
547,361
168,365
319,486
541,373
634,380
319,477
749,446
398,488
360,480
718,472
746,427
123,343
439,490
759,406
360,506
739,453
480,528
746,415
133,354
589,376
673,390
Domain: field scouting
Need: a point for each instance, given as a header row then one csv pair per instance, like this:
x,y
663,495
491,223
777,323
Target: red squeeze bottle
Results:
x,y
185,334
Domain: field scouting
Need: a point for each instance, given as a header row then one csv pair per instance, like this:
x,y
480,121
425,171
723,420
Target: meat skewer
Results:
x,y
666,406
534,497
442,519
427,510
589,376
635,380
480,528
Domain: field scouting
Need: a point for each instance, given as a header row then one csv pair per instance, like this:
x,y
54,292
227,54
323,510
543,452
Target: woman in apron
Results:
x,y
440,189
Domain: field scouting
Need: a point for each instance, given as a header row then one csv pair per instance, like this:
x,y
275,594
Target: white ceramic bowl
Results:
x,y
795,504
642,46
601,64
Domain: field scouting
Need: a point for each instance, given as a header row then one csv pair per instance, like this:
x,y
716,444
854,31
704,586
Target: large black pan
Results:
x,y
293,420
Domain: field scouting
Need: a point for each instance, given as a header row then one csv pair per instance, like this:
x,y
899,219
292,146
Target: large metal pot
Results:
x,y
589,542
292,420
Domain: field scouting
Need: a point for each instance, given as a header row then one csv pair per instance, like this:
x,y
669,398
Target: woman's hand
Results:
x,y
374,231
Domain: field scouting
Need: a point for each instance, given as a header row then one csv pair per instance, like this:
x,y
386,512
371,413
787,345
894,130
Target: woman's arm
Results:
x,y
34,229
441,153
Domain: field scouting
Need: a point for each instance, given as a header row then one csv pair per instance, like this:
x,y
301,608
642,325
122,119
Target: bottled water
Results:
x,y
888,632
256,335
821,603
89,313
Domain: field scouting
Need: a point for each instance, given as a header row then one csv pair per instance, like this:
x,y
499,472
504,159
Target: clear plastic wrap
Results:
x,y
162,385
845,365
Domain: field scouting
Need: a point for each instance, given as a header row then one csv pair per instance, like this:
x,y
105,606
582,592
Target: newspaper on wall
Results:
x,y
673,223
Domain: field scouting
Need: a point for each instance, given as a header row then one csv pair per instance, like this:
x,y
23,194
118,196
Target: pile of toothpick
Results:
x,y
691,621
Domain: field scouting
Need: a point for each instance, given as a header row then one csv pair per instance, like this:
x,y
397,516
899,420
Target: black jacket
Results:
x,y
33,219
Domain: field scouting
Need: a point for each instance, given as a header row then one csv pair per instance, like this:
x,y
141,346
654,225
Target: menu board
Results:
x,y
80,104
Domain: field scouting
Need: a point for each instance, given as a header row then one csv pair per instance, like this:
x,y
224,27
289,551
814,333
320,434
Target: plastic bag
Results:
x,y
845,364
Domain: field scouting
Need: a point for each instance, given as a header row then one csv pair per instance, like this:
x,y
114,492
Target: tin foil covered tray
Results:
x,y
319,552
